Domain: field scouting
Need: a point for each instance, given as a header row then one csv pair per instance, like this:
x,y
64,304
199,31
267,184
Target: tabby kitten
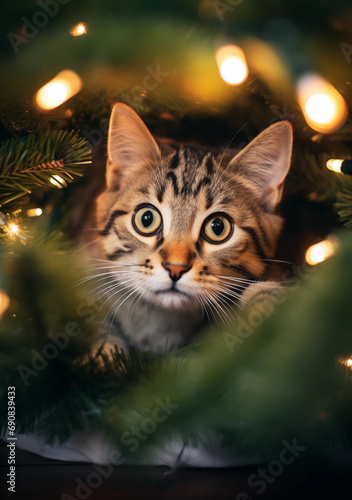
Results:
x,y
184,233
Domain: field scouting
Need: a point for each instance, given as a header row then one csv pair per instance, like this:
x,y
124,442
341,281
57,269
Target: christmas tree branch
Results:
x,y
289,375
31,162
344,206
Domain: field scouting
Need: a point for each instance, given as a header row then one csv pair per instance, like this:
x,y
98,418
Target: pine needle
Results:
x,y
344,207
30,162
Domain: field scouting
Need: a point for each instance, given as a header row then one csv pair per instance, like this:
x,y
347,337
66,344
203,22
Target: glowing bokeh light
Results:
x,y
13,229
61,88
79,29
34,212
346,362
334,165
320,252
52,95
320,108
232,64
323,107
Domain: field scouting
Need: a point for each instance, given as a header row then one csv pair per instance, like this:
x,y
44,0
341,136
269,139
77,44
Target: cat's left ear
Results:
x,y
265,162
130,145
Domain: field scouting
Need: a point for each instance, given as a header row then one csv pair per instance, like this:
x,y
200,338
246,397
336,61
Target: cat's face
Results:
x,y
183,228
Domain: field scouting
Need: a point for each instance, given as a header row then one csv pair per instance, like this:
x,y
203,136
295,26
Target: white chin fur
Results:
x,y
172,301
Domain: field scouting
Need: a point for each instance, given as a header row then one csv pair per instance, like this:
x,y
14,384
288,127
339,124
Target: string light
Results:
x,y
13,229
34,212
79,30
340,166
61,88
320,252
232,64
58,181
4,302
323,107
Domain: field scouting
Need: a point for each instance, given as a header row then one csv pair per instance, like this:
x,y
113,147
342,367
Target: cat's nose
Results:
x,y
176,270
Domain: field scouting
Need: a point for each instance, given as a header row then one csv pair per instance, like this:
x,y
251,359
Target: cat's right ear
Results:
x,y
130,145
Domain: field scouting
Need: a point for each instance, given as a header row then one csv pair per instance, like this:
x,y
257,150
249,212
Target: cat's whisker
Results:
x,y
111,295
135,290
110,287
235,298
233,283
106,275
198,297
280,261
227,291
112,266
120,289
230,289
93,291
105,292
205,306
235,288
116,263
222,313
221,298
263,284
108,299
231,139
113,306
224,171
92,277
208,302
86,245
201,305
113,269
225,318
136,301
242,280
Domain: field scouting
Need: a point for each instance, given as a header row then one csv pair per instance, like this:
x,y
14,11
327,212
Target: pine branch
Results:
x,y
30,162
285,377
344,207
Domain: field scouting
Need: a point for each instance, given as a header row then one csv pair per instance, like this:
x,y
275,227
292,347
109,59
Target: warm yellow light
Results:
x,y
334,165
58,181
232,64
323,107
319,252
61,88
347,362
79,29
320,108
13,229
34,212
4,302
52,95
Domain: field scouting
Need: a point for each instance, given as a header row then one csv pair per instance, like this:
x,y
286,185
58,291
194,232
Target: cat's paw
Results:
x,y
263,296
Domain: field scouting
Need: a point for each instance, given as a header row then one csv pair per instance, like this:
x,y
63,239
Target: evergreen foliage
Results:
x,y
287,378
30,162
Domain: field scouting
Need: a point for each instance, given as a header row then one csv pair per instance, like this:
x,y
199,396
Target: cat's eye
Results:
x,y
147,220
217,228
